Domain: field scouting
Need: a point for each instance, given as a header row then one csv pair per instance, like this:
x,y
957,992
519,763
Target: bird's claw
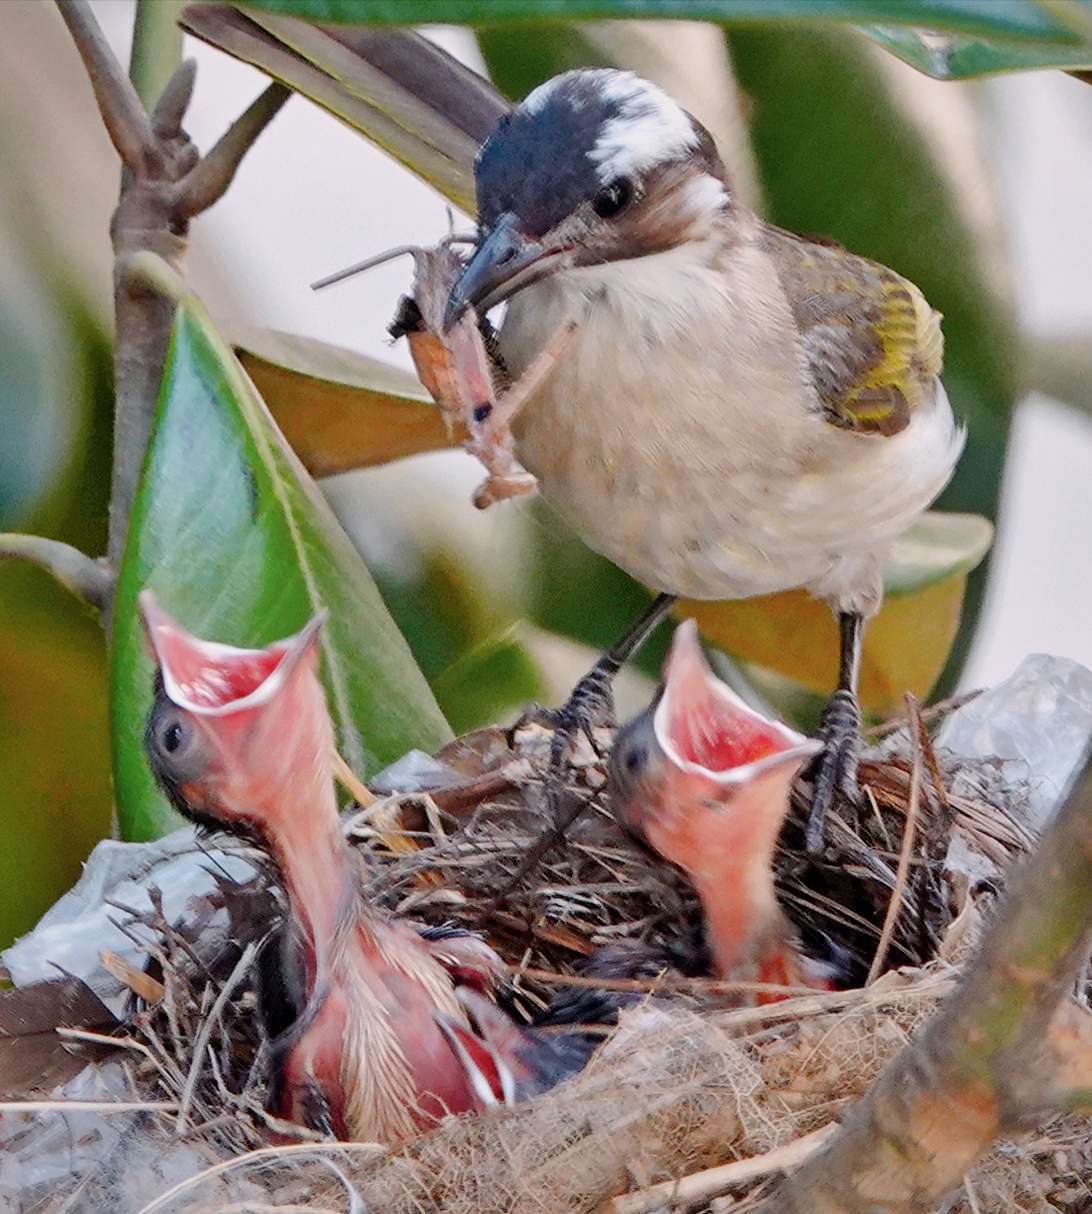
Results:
x,y
834,770
590,705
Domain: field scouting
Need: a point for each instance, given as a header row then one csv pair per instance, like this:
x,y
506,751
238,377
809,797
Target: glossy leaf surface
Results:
x,y
239,545
957,57
1011,20
405,94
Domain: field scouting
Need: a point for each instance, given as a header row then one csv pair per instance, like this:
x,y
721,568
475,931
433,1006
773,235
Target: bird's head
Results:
x,y
239,739
596,165
701,776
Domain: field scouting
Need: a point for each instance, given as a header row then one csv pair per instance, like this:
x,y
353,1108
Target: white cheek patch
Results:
x,y
705,195
649,128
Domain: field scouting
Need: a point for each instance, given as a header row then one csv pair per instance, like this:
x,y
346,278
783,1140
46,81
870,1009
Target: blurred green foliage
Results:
x,y
55,796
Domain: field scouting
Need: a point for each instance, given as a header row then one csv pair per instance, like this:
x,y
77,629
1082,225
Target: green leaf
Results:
x,y
488,682
339,410
156,49
237,542
406,95
55,795
937,547
1013,19
957,57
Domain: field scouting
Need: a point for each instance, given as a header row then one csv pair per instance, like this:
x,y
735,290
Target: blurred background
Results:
x,y
980,192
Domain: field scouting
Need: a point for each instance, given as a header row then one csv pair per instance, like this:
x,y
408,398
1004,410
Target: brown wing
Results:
x,y
873,344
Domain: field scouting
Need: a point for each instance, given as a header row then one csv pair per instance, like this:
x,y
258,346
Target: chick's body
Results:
x,y
691,432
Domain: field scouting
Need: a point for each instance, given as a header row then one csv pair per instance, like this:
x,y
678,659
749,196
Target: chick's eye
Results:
x,y
174,734
174,737
613,198
634,759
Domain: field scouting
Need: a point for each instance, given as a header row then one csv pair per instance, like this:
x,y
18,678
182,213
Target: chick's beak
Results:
x,y
705,729
504,262
252,703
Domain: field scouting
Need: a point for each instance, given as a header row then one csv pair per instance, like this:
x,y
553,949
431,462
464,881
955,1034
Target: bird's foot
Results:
x,y
590,705
588,708
834,770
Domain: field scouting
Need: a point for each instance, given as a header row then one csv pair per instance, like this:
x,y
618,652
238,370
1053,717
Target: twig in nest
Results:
x,y
88,1106
941,708
908,833
242,967
139,982
658,986
352,784
264,1155
702,1186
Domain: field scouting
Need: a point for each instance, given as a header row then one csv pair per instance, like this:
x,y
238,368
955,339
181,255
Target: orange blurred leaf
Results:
x,y
905,646
338,409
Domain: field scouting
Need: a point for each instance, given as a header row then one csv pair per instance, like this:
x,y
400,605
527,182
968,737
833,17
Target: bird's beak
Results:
x,y
213,680
503,263
706,730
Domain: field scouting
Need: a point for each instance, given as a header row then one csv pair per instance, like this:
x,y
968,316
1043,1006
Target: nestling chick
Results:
x,y
741,411
241,741
704,781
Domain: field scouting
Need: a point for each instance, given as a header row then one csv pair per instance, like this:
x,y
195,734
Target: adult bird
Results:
x,y
741,410
704,780
363,1009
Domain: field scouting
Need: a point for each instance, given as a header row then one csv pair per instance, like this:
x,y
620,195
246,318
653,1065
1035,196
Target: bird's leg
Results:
x,y
835,768
591,703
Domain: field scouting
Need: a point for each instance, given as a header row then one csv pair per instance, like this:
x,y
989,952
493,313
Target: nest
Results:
x,y
691,1099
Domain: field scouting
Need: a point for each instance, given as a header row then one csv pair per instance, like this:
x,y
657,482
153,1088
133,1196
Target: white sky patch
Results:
x,y
650,128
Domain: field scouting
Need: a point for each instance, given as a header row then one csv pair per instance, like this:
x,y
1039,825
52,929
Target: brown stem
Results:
x,y
122,114
164,185
206,183
997,1056
174,101
86,577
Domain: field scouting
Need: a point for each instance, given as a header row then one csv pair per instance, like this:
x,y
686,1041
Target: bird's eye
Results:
x,y
635,759
612,199
174,746
175,735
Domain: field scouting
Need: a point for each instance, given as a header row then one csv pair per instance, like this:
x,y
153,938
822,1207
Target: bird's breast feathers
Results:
x,y
684,435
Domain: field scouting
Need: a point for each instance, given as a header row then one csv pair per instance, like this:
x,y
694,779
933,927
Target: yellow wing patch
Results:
x,y
872,343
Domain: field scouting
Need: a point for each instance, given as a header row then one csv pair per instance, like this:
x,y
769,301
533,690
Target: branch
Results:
x,y
206,183
1006,1047
174,101
86,577
122,113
